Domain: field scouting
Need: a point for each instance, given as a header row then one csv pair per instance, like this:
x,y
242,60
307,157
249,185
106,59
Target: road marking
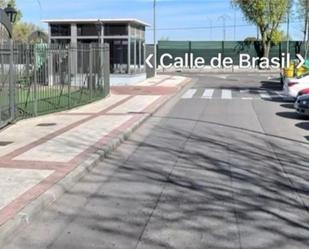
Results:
x,y
244,91
264,95
226,94
281,94
208,93
247,98
189,94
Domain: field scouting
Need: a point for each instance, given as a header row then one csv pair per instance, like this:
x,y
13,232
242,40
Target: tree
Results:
x,y
22,30
267,16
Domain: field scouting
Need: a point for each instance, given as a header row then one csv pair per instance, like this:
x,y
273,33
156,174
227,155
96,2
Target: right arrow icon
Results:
x,y
301,59
148,61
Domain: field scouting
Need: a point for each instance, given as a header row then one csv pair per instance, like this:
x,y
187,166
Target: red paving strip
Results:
x,y
50,136
20,202
104,140
62,169
143,90
21,164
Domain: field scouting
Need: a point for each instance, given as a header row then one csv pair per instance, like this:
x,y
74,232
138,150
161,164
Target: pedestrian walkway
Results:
x,y
229,94
38,153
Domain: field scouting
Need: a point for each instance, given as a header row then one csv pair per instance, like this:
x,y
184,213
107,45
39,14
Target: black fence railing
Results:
x,y
46,78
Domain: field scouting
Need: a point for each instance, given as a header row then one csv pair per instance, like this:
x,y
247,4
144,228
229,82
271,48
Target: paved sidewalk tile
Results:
x,y
99,105
14,182
42,151
136,104
65,147
28,131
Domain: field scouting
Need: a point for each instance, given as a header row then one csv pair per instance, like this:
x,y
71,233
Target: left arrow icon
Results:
x,y
148,61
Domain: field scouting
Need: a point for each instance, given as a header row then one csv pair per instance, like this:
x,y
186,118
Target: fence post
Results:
x,y
35,104
70,52
106,71
12,84
90,69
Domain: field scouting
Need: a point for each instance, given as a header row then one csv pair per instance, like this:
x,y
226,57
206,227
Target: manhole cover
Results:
x,y
5,143
47,124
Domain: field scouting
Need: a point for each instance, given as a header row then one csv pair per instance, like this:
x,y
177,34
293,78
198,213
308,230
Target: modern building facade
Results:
x,y
126,39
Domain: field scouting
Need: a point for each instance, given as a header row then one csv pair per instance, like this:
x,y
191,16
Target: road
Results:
x,y
225,165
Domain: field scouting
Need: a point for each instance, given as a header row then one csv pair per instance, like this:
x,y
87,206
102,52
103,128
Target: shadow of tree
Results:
x,y
190,184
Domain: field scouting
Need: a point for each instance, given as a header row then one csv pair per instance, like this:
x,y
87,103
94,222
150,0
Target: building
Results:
x,y
126,39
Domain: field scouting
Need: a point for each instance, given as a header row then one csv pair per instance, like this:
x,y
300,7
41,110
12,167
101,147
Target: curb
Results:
x,y
24,217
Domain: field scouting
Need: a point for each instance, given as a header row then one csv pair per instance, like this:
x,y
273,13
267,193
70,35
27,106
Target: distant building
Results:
x,y
126,38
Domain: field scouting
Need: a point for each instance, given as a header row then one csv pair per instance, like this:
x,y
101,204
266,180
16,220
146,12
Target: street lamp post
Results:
x,y
154,37
11,15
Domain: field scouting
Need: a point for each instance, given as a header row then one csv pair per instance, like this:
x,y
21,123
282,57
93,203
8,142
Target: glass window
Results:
x,y
60,41
87,41
143,33
118,55
115,29
88,30
133,31
60,29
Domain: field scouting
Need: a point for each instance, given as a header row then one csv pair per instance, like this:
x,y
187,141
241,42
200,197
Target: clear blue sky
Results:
x,y
178,14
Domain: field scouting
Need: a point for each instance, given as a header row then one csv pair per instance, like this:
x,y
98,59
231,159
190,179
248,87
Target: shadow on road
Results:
x,y
291,115
192,184
271,85
288,106
303,125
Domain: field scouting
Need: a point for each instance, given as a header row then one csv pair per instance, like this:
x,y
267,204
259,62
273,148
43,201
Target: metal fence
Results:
x,y
209,49
38,79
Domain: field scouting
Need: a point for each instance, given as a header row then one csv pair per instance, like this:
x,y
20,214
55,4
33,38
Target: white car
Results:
x,y
292,86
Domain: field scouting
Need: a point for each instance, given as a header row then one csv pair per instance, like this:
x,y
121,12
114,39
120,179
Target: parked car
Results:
x,y
303,92
302,105
292,86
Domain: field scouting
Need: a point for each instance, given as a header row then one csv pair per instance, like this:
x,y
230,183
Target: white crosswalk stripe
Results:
x,y
226,94
243,94
244,91
208,93
189,94
264,95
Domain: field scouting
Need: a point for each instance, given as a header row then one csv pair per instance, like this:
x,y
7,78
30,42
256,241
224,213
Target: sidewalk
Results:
x,y
42,157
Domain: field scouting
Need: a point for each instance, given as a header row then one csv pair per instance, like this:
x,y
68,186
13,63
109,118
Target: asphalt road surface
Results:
x,y
226,165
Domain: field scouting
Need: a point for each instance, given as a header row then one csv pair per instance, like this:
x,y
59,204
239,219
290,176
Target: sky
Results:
x,y
176,19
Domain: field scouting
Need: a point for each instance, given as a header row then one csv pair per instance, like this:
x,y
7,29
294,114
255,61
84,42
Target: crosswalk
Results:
x,y
228,94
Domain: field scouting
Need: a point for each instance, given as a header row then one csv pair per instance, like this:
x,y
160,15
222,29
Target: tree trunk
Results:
x,y
266,49
265,45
